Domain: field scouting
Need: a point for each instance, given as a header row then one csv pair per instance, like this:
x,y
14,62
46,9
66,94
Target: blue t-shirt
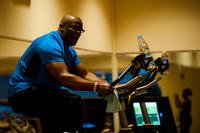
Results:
x,y
31,71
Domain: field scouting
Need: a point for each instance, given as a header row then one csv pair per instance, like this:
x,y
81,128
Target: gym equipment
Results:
x,y
139,85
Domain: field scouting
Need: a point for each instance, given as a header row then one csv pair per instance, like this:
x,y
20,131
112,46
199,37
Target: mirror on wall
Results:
x,y
182,58
94,60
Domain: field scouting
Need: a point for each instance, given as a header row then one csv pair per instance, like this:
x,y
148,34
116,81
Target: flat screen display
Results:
x,y
152,111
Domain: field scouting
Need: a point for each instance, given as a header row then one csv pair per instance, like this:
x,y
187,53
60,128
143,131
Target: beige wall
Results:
x,y
96,15
188,59
170,25
12,48
27,20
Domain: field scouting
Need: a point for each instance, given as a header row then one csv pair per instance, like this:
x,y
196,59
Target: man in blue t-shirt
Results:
x,y
48,68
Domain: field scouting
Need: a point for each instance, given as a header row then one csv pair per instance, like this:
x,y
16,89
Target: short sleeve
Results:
x,y
50,51
76,60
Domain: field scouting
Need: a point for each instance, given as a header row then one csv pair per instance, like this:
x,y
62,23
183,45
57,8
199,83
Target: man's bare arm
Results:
x,y
60,73
58,70
83,72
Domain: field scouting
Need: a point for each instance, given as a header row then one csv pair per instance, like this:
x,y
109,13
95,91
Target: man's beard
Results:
x,y
70,43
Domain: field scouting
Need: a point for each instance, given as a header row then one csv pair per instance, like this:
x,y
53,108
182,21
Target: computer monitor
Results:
x,y
158,110
152,111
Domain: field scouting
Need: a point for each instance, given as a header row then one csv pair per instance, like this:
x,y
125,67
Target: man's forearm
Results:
x,y
92,77
75,82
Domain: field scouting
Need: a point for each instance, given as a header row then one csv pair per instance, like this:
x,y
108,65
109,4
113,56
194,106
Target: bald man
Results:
x,y
47,70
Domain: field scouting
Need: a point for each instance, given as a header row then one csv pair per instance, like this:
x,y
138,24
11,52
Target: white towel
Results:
x,y
113,103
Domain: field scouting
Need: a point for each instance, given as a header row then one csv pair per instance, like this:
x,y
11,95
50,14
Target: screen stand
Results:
x,y
147,127
145,113
123,119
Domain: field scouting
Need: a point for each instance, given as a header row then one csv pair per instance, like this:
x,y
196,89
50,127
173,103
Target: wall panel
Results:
x,y
171,25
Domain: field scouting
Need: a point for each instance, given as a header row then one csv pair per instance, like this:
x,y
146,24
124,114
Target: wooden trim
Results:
x,y
29,41
15,38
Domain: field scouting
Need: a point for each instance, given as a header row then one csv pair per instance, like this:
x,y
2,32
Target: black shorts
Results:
x,y
56,108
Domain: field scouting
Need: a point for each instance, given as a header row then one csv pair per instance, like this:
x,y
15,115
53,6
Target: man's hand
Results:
x,y
103,88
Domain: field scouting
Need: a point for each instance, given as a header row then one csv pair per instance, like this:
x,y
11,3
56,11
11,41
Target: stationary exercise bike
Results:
x,y
137,86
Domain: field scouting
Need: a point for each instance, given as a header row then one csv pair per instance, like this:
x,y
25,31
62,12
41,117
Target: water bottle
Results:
x,y
164,58
143,46
144,49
